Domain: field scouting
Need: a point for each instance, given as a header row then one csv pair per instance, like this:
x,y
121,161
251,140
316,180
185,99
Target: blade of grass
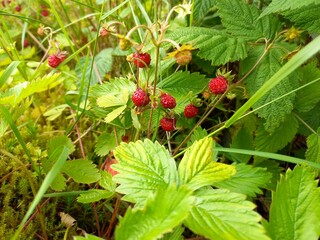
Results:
x,y
268,155
114,10
144,12
7,73
61,154
303,55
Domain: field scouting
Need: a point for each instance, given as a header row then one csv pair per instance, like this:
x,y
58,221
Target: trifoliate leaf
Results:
x,y
105,143
295,206
161,214
307,98
248,180
313,151
143,167
306,18
197,169
272,142
282,5
241,19
275,112
82,171
213,45
94,195
219,214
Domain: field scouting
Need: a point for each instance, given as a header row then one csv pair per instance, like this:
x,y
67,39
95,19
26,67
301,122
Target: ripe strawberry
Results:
x,y
168,124
184,57
140,98
191,111
18,8
108,166
25,43
218,85
141,60
104,32
54,60
167,101
45,13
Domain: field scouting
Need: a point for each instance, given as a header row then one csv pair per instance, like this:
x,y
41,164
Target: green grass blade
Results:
x,y
61,156
275,156
7,73
303,55
114,10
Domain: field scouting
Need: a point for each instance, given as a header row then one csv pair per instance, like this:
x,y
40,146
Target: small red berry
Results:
x,y
140,98
218,85
191,111
104,32
45,13
5,2
108,166
167,101
141,60
54,60
25,43
168,124
18,8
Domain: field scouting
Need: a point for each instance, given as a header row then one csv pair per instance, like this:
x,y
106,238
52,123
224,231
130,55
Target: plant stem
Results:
x,y
113,218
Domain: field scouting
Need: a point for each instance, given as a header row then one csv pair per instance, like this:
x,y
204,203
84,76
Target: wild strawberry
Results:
x,y
25,43
183,57
108,166
140,98
104,32
167,101
141,60
45,13
168,124
218,85
124,44
191,111
5,2
54,60
18,8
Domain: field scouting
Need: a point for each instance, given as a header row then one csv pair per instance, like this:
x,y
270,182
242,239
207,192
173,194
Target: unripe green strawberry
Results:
x,y
190,111
124,44
140,98
218,85
167,101
168,124
141,60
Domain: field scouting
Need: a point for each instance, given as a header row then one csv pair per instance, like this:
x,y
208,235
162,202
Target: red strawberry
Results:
x,y
54,60
140,98
18,8
5,2
183,57
191,111
141,60
167,101
168,124
45,13
104,32
218,85
108,166
25,43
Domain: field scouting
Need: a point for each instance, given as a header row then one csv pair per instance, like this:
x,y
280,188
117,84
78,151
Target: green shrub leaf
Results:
x,y
295,206
163,211
94,195
197,169
81,171
143,167
248,180
313,151
220,215
201,8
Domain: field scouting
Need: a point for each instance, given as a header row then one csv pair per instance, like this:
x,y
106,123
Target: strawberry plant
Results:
x,y
159,119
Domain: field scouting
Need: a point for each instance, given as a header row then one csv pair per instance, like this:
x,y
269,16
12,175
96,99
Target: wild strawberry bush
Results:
x,y
155,120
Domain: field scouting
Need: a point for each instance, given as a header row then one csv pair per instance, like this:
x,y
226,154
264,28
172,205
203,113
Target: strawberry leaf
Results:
x,y
219,214
313,151
201,9
82,171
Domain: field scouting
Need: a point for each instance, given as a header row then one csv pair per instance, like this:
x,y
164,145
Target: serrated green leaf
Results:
x,y
61,141
102,65
114,114
55,112
25,89
275,112
241,19
197,169
59,183
243,139
112,100
307,98
311,118
248,180
273,168
313,151
105,143
295,206
106,181
219,214
282,5
143,167
94,195
176,234
277,140
82,171
306,18
201,9
87,237
198,134
214,45
162,212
